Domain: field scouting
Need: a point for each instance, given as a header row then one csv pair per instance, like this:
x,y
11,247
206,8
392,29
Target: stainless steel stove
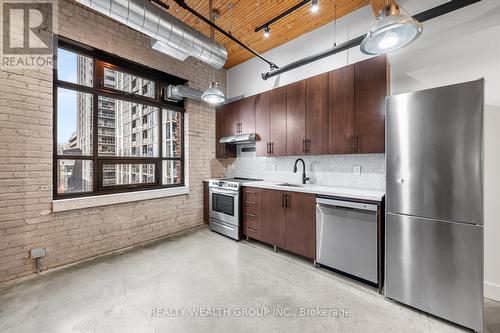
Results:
x,y
225,205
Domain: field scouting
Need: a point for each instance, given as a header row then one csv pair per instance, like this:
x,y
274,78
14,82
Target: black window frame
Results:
x,y
161,80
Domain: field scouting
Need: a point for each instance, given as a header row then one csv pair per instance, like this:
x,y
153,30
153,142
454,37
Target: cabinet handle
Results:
x,y
268,149
308,145
352,143
241,128
283,200
251,215
357,143
304,146
250,229
287,204
272,148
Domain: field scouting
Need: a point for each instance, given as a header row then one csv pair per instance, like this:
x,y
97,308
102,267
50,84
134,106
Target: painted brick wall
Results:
x,y
26,159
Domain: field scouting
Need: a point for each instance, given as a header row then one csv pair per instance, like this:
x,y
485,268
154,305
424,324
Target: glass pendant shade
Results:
x,y
213,95
392,31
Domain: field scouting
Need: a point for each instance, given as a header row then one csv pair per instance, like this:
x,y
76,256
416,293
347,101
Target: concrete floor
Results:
x,y
145,290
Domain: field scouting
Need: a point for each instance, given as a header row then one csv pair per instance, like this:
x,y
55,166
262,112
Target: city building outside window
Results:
x,y
96,146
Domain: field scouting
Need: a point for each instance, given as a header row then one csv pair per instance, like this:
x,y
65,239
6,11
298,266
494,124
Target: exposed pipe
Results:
x,y
336,49
421,17
146,17
178,93
183,4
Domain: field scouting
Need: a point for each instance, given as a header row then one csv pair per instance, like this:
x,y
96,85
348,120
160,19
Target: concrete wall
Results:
x,y
26,220
457,47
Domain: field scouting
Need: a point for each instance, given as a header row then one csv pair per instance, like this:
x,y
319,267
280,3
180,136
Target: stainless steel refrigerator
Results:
x,y
434,200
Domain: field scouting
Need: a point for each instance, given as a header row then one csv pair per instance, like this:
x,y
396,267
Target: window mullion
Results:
x,y
95,129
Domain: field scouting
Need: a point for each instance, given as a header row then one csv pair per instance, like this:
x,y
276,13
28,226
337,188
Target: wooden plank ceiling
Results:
x,y
241,17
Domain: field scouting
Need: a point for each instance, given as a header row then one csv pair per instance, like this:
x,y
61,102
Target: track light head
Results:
x,y
314,6
267,32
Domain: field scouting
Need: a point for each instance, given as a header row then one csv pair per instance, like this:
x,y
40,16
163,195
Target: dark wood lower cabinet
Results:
x,y
300,214
284,219
273,218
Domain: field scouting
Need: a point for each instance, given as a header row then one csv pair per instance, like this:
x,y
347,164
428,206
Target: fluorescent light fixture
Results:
x,y
213,95
267,32
314,6
392,31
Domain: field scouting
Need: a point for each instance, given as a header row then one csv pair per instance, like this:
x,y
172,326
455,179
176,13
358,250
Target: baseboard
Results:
x,y
492,291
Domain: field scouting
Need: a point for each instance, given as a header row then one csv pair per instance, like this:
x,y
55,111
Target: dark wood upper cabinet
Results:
x,y
262,124
273,217
300,216
247,115
341,110
316,135
295,118
224,116
277,121
231,125
371,86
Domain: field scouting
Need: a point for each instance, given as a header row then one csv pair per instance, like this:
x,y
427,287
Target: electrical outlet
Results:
x,y
38,252
356,169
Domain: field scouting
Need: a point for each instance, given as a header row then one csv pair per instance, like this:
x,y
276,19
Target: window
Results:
x,y
113,131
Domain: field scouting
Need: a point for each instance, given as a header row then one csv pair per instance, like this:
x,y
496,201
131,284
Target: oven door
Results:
x,y
224,205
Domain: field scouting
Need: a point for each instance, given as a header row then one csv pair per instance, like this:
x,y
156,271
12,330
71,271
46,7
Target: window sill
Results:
x,y
112,199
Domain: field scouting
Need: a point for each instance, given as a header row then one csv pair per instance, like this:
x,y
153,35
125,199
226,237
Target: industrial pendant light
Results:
x,y
213,95
392,31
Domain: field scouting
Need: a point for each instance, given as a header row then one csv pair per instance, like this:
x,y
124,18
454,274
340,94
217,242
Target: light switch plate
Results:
x,y
356,169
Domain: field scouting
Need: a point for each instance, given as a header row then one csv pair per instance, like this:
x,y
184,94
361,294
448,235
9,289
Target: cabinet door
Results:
x,y
371,87
341,110
295,118
262,123
317,115
273,218
301,224
247,115
223,150
231,119
277,121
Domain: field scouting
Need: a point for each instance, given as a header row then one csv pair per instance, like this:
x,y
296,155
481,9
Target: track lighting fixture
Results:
x,y
314,6
267,32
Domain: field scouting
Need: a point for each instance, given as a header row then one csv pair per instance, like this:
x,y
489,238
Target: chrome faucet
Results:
x,y
304,178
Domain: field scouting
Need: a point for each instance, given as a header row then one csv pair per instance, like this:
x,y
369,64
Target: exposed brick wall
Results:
x,y
26,159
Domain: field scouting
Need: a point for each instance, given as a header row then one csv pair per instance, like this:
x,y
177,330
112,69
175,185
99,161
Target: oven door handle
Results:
x,y
232,193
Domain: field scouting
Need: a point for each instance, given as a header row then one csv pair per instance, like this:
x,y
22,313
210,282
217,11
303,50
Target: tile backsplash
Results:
x,y
365,171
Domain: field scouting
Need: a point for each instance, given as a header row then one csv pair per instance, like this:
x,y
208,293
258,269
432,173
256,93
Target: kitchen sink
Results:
x,y
289,185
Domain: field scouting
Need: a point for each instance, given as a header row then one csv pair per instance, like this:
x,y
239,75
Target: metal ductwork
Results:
x,y
147,18
178,93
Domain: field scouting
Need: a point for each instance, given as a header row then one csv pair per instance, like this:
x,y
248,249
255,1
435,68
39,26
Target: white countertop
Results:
x,y
352,193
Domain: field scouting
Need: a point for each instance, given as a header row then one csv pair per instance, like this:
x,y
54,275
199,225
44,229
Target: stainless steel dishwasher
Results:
x,y
346,237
